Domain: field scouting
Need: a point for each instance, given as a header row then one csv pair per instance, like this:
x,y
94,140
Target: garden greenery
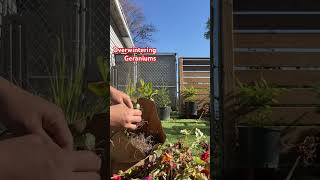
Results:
x,y
146,90
189,94
174,161
101,88
255,102
68,92
162,98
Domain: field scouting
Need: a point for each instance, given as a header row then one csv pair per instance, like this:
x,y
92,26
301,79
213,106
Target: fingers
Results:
x,y
57,127
137,112
136,119
131,126
85,161
127,101
85,176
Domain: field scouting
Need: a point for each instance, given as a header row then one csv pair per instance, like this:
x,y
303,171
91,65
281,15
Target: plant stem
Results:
x,y
293,168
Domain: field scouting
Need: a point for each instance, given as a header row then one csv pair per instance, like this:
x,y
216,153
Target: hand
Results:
x,y
118,97
121,115
32,157
33,114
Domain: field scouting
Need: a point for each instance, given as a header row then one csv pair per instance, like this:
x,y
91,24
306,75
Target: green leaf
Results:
x,y
198,161
99,88
103,67
90,141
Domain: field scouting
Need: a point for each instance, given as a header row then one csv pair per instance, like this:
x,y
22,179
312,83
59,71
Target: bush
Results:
x,y
146,90
162,98
255,102
189,94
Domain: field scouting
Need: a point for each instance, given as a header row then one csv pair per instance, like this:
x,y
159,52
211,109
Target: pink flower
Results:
x,y
205,156
148,178
206,172
116,177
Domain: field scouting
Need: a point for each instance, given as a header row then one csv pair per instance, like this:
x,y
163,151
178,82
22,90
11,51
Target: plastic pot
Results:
x,y
191,109
259,147
164,113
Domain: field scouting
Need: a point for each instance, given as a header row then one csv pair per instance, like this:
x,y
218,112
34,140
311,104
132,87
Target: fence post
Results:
x,y
228,85
180,84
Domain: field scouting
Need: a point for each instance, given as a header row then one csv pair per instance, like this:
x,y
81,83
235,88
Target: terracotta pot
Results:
x,y
122,153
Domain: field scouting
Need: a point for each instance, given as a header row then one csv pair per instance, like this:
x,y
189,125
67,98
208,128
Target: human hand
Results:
x,y
34,115
32,157
121,115
118,97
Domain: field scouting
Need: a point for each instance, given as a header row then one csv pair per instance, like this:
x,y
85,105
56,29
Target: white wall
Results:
x,y
114,42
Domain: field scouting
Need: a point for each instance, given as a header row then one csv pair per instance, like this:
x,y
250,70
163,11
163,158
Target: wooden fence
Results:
x,y
282,47
286,58
195,72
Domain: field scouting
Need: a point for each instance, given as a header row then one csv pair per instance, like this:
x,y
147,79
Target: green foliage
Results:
x,y
255,102
189,94
146,90
68,92
207,33
175,161
85,141
162,99
131,89
101,88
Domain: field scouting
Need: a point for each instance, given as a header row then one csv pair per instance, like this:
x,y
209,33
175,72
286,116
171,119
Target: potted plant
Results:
x,y
146,90
189,95
130,146
101,90
163,101
68,92
259,141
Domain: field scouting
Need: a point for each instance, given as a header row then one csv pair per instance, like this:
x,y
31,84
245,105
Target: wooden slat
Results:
x,y
196,68
197,85
197,74
196,80
276,5
296,78
277,59
299,97
197,62
180,83
295,116
203,91
277,40
283,21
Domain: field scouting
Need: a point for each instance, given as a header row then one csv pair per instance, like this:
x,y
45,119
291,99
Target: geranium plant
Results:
x,y
146,90
174,161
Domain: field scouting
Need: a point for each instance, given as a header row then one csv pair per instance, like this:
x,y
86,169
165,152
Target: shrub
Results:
x,y
146,90
255,101
162,98
189,94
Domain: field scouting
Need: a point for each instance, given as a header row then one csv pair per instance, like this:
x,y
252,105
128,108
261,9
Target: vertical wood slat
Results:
x,y
228,83
181,83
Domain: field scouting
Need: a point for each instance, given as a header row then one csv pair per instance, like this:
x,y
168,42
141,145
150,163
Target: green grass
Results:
x,y
173,127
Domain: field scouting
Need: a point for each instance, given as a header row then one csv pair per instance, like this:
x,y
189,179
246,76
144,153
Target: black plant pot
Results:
x,y
190,109
259,147
164,113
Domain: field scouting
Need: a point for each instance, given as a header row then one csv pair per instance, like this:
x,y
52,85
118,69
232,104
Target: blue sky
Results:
x,y
180,24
